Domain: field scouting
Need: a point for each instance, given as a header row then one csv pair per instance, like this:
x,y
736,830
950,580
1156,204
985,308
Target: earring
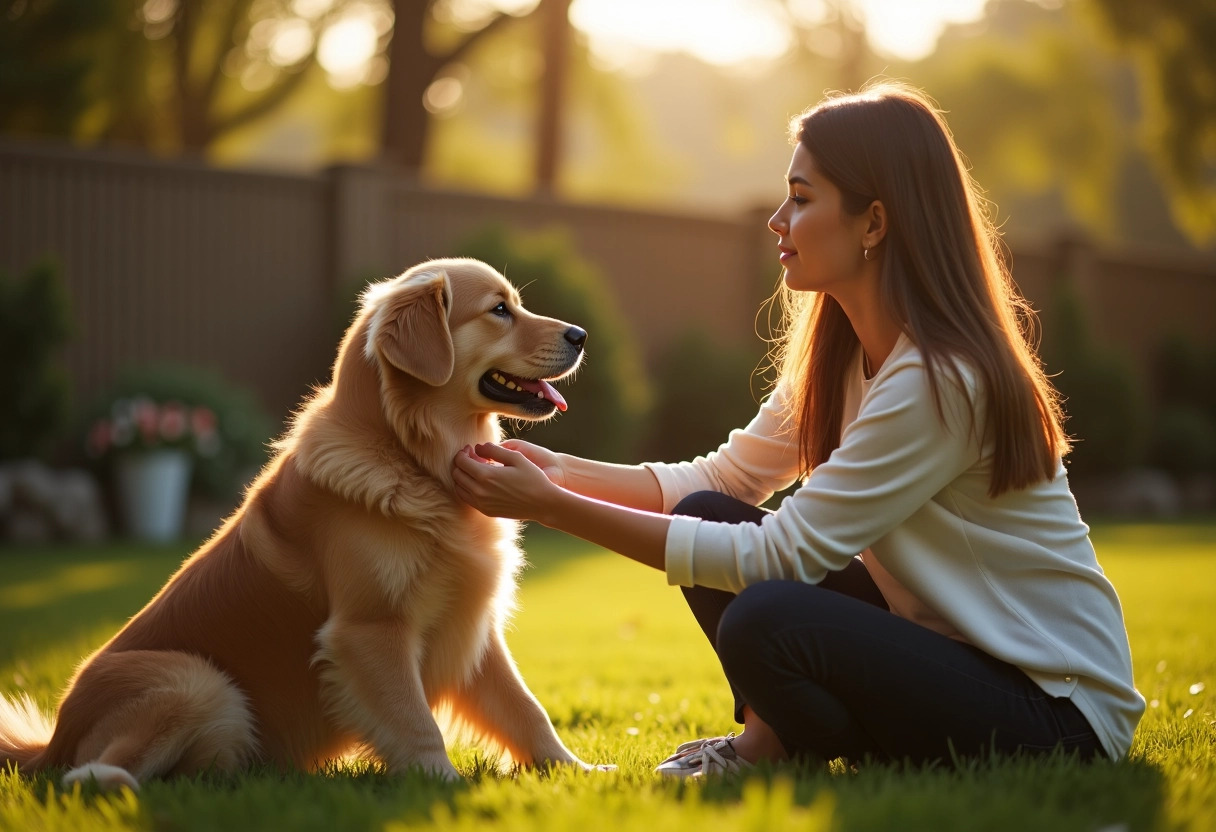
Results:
x,y
865,253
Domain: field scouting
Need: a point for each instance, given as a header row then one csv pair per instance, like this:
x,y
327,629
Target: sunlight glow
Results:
x,y
347,46
292,42
716,31
736,32
910,30
622,34
350,49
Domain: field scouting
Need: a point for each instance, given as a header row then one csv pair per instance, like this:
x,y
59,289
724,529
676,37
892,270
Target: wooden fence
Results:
x,y
242,271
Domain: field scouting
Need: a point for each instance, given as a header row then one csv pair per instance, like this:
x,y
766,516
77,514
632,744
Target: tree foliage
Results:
x,y
168,75
35,325
1174,46
46,54
428,38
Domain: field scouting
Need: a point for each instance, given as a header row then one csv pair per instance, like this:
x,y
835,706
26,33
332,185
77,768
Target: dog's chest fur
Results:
x,y
451,590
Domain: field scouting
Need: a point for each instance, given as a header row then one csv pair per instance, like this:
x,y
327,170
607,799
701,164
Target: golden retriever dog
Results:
x,y
352,594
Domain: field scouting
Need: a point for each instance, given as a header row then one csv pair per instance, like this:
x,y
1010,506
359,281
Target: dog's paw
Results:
x,y
596,766
108,778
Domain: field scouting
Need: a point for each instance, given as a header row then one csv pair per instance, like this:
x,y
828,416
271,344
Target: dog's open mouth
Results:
x,y
532,393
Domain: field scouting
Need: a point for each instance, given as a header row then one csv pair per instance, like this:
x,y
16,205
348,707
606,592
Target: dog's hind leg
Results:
x,y
155,713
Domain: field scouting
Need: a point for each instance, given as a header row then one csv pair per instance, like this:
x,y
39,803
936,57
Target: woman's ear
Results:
x,y
876,225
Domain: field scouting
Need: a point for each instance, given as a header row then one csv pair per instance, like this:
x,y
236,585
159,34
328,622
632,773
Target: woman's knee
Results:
x,y
703,504
764,614
718,507
750,622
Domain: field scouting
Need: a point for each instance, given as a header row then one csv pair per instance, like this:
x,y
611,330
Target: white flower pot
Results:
x,y
152,491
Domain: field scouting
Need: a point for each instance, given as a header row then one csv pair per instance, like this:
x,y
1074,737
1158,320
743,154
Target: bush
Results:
x,y
612,394
703,394
1184,441
35,323
1184,431
1104,399
240,424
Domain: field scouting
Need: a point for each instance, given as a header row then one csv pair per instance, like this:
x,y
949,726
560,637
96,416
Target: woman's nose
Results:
x,y
777,224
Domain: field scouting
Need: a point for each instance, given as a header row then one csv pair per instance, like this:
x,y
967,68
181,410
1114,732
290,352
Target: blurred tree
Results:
x,y
1032,102
35,325
164,74
486,136
1174,45
44,62
417,59
556,47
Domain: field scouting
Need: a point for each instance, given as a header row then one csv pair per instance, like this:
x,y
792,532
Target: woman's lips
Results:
x,y
786,253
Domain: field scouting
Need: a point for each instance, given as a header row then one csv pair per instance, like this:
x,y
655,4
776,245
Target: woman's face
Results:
x,y
820,244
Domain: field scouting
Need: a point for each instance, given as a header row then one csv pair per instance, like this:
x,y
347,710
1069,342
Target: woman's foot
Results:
x,y
715,756
727,754
695,745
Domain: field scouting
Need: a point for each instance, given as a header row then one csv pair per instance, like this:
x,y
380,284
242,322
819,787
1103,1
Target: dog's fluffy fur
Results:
x,y
351,594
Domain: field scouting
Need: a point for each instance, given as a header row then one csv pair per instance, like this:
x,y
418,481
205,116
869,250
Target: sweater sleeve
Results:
x,y
892,459
754,463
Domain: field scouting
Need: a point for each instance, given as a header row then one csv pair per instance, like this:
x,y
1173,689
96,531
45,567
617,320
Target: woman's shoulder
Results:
x,y
954,376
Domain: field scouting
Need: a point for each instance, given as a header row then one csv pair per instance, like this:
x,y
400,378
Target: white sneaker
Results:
x,y
705,758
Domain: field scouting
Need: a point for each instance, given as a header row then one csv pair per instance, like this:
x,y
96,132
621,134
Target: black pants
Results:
x,y
835,674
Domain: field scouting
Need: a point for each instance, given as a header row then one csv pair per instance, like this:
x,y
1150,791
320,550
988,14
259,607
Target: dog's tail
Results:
x,y
25,732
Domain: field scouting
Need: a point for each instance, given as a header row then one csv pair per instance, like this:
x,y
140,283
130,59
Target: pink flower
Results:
x,y
202,422
172,421
146,418
99,438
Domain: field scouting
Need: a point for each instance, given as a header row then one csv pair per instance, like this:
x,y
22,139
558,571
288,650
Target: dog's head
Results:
x,y
458,328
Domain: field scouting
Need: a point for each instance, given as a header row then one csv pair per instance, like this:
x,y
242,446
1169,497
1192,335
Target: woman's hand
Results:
x,y
500,482
543,458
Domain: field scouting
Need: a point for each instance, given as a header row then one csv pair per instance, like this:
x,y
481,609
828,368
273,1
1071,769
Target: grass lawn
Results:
x,y
614,656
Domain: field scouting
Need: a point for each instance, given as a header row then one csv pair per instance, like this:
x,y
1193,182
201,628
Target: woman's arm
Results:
x,y
519,489
632,486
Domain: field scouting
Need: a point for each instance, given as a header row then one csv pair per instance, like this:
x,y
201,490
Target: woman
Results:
x,y
930,591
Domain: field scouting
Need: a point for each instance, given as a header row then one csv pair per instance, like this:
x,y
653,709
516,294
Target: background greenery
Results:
x,y
625,674
35,324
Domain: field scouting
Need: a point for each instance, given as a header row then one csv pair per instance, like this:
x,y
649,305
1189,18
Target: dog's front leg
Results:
x,y
371,675
496,702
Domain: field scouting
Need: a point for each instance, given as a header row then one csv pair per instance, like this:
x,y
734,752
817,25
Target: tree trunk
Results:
x,y
555,28
411,70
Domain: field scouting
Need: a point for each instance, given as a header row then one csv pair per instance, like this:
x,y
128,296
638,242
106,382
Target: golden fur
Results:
x,y
351,594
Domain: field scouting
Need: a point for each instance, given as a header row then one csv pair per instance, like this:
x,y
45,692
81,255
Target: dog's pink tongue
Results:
x,y
545,389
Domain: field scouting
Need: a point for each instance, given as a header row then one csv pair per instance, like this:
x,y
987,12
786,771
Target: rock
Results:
x,y
78,511
39,505
29,527
6,489
33,484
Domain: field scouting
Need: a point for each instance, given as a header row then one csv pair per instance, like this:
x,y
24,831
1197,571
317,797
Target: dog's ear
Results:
x,y
411,328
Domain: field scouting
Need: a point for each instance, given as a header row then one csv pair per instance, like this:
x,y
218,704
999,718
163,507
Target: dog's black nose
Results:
x,y
576,336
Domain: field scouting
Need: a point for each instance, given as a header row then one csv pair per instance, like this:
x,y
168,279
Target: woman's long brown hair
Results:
x,y
942,279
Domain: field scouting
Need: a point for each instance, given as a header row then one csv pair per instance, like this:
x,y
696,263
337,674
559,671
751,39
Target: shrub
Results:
x,y
1184,430
226,427
1184,441
612,393
35,323
1104,400
703,394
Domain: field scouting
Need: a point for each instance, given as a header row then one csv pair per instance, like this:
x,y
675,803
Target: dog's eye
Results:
x,y
501,311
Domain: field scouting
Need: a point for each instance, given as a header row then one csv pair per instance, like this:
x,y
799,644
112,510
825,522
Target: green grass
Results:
x,y
616,659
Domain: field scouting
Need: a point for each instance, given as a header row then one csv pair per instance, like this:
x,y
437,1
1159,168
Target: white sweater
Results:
x,y
1015,576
